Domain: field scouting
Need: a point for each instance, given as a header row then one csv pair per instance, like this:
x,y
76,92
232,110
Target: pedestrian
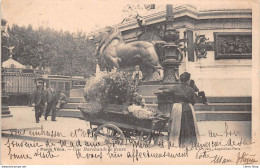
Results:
x,y
199,93
62,99
38,101
137,76
52,101
183,128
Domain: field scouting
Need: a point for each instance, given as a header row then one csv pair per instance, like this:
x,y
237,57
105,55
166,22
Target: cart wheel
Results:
x,y
109,133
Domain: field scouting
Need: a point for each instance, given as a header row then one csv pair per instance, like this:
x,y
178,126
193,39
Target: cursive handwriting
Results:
x,y
19,156
17,132
88,155
42,132
81,133
135,154
213,134
230,132
220,160
47,154
12,144
202,154
245,158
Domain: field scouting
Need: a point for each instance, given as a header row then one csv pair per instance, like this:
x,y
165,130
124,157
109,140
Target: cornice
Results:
x,y
192,12
186,11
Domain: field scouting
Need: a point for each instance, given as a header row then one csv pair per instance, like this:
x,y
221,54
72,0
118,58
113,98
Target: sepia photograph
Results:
x,y
105,82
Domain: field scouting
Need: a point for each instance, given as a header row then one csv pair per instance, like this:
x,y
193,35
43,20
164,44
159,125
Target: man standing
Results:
x,y
38,101
137,76
52,101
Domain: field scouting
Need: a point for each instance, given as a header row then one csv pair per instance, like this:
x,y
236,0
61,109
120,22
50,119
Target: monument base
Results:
x,y
5,112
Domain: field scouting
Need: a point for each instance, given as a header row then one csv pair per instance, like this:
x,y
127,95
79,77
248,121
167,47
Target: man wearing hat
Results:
x,y
137,76
38,102
52,101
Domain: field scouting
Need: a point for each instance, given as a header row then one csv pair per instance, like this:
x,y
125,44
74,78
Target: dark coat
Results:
x,y
51,95
38,97
184,93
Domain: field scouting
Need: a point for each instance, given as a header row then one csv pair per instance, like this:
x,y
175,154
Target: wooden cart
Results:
x,y
116,124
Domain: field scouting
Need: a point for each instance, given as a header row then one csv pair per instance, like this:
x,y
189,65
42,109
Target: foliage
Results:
x,y
63,52
111,87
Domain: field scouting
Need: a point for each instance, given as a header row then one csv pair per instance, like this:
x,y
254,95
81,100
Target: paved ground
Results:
x,y
23,119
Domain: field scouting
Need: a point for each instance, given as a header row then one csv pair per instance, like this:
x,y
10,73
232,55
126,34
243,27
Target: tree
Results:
x,y
65,53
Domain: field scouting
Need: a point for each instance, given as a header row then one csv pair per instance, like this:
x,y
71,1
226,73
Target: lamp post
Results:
x,y
172,52
172,60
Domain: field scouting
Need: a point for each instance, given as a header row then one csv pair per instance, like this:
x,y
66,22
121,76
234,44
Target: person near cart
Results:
x,y
198,92
38,102
52,101
183,129
62,99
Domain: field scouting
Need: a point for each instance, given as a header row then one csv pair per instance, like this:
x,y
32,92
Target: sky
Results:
x,y
87,15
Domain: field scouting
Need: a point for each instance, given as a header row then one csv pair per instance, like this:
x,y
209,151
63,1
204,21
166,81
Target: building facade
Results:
x,y
218,45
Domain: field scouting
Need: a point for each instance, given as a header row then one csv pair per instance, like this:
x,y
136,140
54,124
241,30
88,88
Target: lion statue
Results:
x,y
113,52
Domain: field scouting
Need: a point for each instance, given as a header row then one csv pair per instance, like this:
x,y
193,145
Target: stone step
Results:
x,y
76,100
4,112
6,115
72,105
223,107
73,113
4,108
154,100
223,115
217,107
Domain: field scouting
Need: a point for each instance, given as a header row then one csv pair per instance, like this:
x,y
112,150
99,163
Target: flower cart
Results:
x,y
121,125
117,115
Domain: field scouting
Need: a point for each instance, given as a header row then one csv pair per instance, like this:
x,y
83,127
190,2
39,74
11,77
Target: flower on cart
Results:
x,y
111,87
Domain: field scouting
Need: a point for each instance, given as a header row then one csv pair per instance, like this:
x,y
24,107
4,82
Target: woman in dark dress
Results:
x,y
183,129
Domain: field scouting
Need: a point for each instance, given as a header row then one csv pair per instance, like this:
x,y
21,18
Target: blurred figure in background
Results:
x,y
137,76
62,100
52,101
38,102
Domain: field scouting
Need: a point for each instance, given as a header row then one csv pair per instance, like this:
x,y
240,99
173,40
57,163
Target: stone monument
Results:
x,y
172,60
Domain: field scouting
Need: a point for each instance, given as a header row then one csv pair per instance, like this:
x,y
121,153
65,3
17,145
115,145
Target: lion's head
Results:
x,y
105,36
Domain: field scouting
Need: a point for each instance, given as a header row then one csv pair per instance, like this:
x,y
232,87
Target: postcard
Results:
x,y
130,82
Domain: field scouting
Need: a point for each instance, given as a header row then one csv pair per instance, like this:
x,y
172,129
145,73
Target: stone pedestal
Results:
x,y
167,97
171,72
5,112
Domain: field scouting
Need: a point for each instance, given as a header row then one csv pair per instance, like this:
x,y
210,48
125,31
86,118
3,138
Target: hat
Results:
x,y
137,66
185,77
